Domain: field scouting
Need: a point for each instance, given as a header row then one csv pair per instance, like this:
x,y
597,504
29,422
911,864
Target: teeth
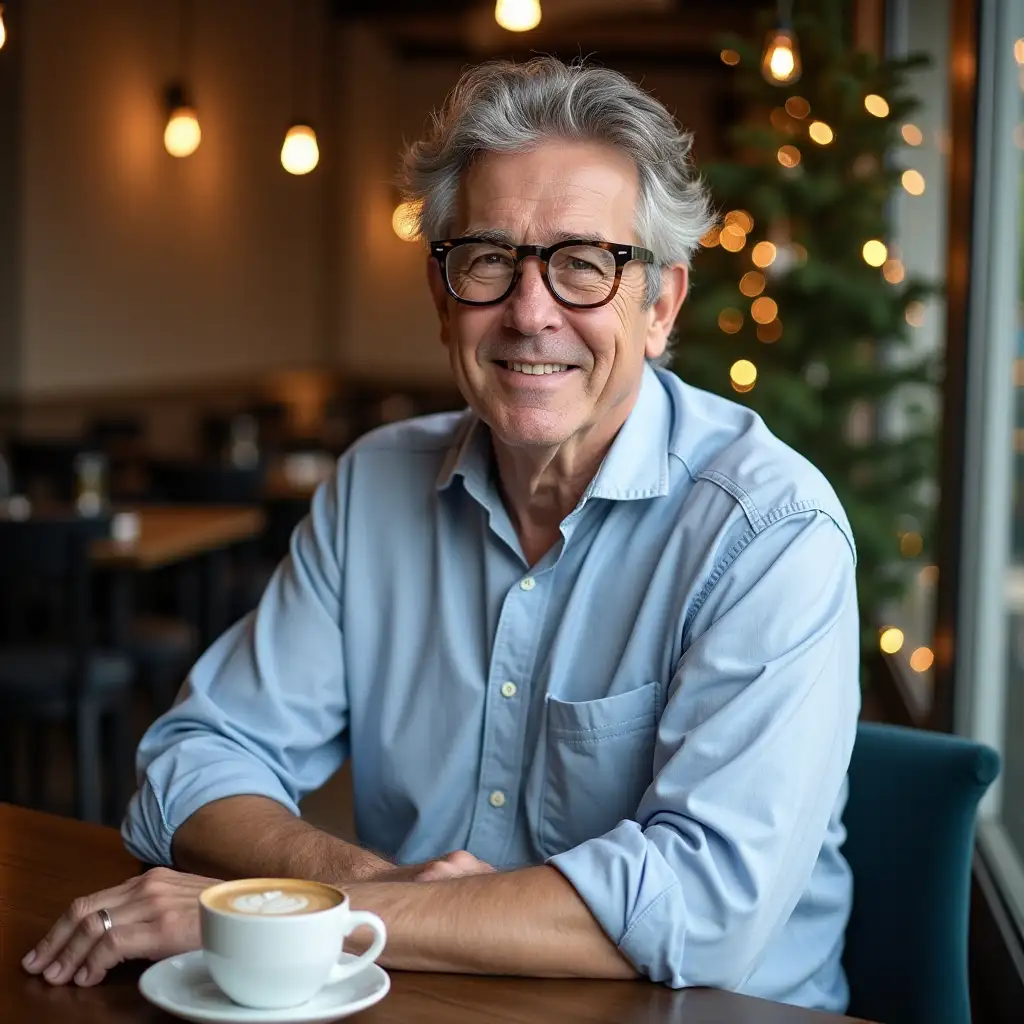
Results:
x,y
538,367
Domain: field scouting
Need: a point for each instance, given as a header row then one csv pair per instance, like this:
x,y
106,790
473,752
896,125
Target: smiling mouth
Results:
x,y
536,368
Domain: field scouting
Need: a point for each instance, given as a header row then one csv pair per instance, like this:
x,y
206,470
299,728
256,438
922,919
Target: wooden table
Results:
x,y
46,861
170,534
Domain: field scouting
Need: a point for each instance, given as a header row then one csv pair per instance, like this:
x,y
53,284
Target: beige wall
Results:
x,y
139,270
139,267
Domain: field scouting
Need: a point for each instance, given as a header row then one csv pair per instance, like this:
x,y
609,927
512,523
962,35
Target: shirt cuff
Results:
x,y
150,824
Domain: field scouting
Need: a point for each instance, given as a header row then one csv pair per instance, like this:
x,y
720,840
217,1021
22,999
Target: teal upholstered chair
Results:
x,y
910,822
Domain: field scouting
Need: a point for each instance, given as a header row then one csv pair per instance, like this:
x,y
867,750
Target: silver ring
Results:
x,y
105,918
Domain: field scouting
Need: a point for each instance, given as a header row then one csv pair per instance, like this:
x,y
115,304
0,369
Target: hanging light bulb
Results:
x,y
405,221
299,152
517,15
780,62
182,134
3,28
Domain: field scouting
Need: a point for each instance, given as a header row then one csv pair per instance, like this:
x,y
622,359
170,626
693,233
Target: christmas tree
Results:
x,y
800,306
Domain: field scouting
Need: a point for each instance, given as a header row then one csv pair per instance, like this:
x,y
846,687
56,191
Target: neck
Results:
x,y
541,486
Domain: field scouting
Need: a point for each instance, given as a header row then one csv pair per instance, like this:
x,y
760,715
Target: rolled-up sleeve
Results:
x,y
264,710
751,756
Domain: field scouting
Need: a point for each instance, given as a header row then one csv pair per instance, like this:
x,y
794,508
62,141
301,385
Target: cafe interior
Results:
x,y
211,286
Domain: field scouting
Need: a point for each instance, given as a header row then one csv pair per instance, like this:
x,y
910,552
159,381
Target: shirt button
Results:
x,y
497,798
527,583
508,689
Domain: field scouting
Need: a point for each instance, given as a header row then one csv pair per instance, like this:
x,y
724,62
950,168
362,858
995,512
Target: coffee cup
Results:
x,y
273,943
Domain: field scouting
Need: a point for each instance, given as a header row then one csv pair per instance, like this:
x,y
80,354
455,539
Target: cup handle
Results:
x,y
355,919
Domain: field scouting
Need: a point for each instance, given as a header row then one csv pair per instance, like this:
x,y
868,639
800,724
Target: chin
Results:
x,y
530,428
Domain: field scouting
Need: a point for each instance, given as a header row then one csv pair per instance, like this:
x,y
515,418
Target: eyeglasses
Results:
x,y
579,273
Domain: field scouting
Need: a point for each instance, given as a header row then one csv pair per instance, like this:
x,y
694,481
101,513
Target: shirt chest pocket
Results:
x,y
595,762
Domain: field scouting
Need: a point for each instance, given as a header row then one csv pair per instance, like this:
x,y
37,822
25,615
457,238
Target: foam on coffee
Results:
x,y
272,897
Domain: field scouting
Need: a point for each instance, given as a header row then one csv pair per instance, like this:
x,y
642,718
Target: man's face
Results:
x,y
557,191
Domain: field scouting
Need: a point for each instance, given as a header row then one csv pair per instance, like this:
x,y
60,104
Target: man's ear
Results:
x,y
439,295
675,281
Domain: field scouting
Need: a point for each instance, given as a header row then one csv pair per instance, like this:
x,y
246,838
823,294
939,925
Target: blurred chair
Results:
x,y
50,670
910,820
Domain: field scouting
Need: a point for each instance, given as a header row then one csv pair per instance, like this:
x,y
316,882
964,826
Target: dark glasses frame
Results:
x,y
623,254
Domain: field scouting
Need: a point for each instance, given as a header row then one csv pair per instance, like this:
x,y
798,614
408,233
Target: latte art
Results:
x,y
274,902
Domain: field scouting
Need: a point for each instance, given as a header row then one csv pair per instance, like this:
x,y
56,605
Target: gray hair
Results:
x,y
501,107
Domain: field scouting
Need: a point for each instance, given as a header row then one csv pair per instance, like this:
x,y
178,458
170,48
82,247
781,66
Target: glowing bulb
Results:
x,y
710,239
764,309
912,135
763,254
820,132
874,252
893,271
732,238
914,314
890,640
3,28
730,57
730,320
911,544
752,283
913,182
299,152
921,660
788,156
740,219
742,375
1018,51
770,332
517,15
798,107
877,105
405,221
182,134
780,63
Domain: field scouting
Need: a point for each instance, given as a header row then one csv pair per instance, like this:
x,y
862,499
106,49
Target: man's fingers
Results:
x,y
174,932
50,946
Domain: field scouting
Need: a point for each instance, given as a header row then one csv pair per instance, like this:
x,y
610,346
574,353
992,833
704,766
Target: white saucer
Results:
x,y
182,985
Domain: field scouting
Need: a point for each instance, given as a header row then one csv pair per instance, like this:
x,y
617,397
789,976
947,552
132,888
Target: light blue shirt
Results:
x,y
663,707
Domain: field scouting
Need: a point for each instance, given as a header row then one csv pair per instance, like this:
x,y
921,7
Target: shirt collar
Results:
x,y
636,465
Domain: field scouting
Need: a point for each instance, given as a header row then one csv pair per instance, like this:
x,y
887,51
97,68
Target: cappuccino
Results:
x,y
272,897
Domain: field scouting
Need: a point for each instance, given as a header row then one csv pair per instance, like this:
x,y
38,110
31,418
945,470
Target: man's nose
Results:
x,y
531,308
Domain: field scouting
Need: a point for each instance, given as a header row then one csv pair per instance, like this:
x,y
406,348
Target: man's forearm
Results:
x,y
530,922
250,836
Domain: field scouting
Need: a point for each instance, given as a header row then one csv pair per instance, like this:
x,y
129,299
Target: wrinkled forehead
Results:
x,y
556,190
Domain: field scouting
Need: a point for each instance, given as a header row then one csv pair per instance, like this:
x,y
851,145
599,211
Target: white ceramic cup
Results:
x,y
278,961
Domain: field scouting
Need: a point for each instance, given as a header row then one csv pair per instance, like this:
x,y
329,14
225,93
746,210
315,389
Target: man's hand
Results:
x,y
451,865
153,916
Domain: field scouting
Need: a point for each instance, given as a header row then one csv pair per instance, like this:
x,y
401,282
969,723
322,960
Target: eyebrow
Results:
x,y
501,237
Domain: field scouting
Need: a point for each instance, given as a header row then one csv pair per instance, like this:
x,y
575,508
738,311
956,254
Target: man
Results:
x,y
592,648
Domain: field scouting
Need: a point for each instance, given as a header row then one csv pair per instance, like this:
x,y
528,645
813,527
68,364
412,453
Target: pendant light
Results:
x,y
517,15
182,133
300,152
780,62
3,28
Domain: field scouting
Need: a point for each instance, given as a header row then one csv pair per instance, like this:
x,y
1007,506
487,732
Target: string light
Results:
x,y
780,62
874,252
893,271
798,107
299,151
3,28
405,221
922,659
740,219
764,310
912,135
770,332
763,254
877,105
911,544
1018,51
732,239
820,132
913,182
780,120
914,314
752,283
710,237
891,640
517,15
788,156
730,57
742,375
730,320
928,576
